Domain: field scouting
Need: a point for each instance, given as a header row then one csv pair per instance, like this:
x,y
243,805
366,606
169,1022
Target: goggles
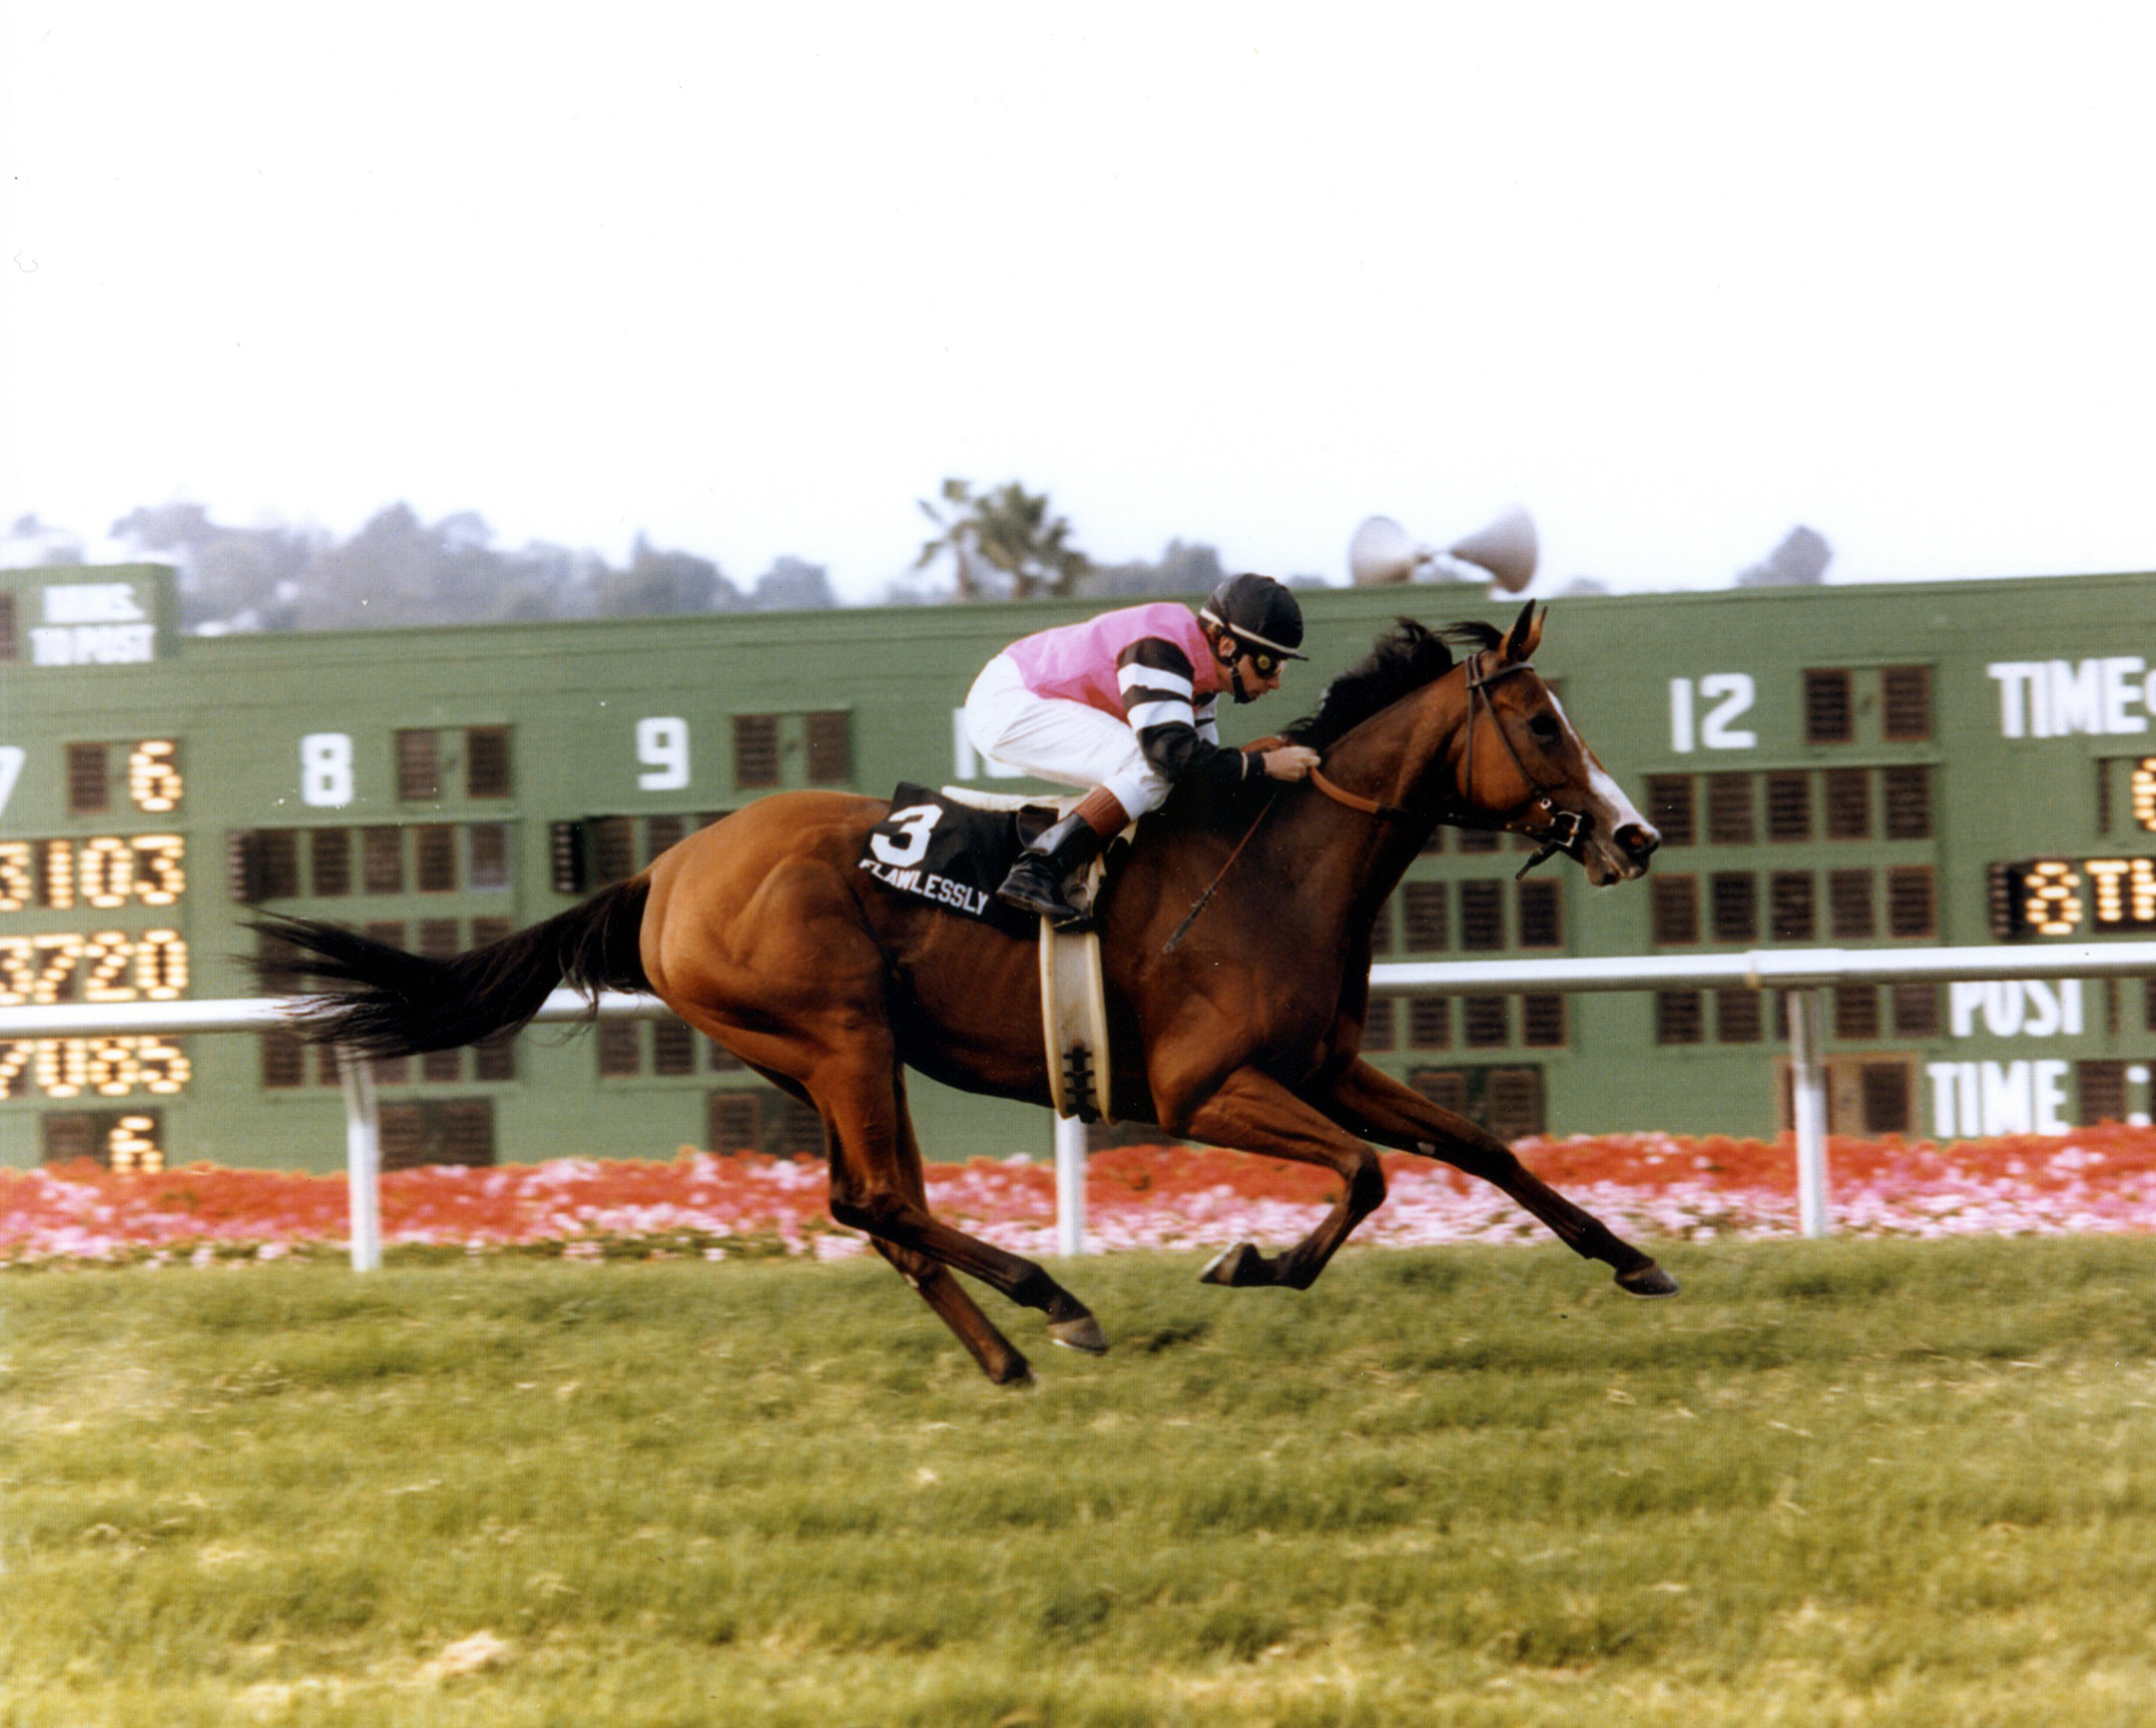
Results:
x,y
1263,660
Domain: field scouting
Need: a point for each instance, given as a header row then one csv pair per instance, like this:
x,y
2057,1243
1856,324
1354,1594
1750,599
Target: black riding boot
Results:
x,y
1037,881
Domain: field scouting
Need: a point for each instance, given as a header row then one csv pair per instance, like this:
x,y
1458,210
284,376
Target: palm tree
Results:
x,y
960,535
1011,530
1019,537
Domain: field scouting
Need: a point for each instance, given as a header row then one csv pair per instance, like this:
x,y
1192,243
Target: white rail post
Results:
x,y
1808,1103
363,1159
1070,1169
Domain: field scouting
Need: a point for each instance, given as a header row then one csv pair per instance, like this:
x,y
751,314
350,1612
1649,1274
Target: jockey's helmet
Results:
x,y
1260,614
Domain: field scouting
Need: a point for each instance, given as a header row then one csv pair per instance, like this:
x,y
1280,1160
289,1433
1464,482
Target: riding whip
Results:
x,y
1191,917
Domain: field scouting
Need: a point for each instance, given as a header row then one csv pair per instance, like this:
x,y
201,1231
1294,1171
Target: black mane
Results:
x,y
1405,657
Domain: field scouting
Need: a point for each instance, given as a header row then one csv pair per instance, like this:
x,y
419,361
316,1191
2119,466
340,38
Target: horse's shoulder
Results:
x,y
1208,815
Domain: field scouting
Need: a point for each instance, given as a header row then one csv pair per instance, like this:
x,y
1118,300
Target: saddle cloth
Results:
x,y
953,849
951,855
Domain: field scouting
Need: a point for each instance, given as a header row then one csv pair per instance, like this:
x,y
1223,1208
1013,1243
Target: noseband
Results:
x,y
1557,831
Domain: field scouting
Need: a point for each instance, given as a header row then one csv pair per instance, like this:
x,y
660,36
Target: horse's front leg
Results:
x,y
1252,1113
1369,1102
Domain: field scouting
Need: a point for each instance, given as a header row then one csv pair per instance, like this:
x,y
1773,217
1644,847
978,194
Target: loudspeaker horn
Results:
x,y
1382,551
1506,548
1504,552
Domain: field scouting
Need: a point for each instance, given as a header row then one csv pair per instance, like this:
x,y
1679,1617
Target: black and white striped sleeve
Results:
x,y
1177,734
1208,720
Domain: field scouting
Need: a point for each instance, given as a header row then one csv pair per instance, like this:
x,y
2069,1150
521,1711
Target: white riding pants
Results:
x,y
1053,739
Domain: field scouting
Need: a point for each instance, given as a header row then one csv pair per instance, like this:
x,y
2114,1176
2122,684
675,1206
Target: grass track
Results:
x,y
1832,1483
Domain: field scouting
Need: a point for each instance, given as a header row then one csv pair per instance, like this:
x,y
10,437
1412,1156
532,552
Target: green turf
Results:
x,y
1832,1483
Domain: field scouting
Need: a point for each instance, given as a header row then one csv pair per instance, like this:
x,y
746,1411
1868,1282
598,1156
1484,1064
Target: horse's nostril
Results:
x,y
1639,841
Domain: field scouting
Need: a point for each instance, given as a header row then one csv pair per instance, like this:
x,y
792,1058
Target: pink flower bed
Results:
x,y
1647,1185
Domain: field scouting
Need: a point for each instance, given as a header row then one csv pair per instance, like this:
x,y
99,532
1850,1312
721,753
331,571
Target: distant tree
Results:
x,y
1184,568
1798,562
1012,533
903,591
396,570
552,581
399,570
793,585
959,536
229,578
660,584
1020,538
30,542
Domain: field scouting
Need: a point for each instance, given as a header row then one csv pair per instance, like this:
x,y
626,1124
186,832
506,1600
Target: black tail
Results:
x,y
378,1000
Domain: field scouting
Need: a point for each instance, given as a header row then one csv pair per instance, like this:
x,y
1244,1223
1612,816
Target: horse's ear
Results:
x,y
1527,633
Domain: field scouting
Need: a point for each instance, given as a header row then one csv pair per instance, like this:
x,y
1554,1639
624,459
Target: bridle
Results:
x,y
1559,831
1554,830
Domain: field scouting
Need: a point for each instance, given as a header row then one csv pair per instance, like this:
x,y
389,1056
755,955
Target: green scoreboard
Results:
x,y
1870,765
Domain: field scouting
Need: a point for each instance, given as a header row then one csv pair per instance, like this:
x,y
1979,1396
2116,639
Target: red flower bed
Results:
x,y
1652,1185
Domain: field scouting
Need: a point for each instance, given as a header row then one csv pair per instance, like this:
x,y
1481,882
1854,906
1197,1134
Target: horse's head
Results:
x,y
1518,764
1480,745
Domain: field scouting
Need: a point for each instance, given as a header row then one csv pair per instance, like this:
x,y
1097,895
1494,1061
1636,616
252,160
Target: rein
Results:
x,y
1355,800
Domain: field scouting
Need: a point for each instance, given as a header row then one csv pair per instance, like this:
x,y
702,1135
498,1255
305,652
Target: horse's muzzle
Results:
x,y
1619,856
1639,842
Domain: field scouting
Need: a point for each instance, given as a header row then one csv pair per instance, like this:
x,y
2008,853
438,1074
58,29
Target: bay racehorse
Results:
x,y
1239,1026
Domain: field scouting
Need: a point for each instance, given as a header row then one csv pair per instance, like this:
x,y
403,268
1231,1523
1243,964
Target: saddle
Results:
x,y
953,849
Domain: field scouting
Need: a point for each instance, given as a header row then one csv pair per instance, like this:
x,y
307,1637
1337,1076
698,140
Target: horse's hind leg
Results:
x,y
780,968
873,1152
935,1285
998,1359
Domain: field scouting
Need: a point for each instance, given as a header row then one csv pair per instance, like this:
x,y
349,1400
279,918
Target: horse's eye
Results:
x,y
1544,729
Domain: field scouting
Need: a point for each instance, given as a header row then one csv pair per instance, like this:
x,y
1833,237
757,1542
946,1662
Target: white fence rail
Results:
x,y
1807,972
362,1121
1771,968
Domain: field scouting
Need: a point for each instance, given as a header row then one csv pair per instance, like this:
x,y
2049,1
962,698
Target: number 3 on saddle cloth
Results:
x,y
954,856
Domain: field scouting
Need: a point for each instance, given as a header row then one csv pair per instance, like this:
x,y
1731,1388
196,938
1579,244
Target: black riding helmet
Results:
x,y
1259,613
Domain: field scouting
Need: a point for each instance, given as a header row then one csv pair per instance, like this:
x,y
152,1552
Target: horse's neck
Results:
x,y
1362,857
1391,754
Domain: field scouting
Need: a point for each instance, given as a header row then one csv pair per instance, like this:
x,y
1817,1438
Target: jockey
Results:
x,y
1123,704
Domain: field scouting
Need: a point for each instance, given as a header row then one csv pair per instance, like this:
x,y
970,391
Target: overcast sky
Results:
x,y
751,279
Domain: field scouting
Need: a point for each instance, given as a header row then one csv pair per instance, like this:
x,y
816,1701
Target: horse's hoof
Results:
x,y
1083,1334
1018,1375
1648,1279
1237,1266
